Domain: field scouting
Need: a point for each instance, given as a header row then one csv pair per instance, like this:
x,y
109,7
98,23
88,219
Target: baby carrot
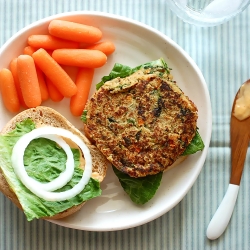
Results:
x,y
27,76
28,50
50,42
13,69
49,51
74,31
71,71
55,73
8,90
54,94
83,58
107,47
83,82
42,84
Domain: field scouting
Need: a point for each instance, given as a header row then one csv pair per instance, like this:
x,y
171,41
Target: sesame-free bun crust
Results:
x,y
47,116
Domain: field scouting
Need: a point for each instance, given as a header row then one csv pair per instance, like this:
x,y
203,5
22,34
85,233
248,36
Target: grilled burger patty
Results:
x,y
141,123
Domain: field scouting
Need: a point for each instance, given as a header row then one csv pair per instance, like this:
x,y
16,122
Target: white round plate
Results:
x,y
135,44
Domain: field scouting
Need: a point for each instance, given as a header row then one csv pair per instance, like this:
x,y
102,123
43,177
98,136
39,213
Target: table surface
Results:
x,y
222,53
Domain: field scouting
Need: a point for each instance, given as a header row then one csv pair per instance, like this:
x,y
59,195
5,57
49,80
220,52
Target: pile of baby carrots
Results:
x,y
60,64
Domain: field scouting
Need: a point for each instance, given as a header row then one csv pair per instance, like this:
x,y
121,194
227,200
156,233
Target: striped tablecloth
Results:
x,y
222,53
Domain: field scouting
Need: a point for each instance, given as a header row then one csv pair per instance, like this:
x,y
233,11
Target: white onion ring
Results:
x,y
17,163
58,182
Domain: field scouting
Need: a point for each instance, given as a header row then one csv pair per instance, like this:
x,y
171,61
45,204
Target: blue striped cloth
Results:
x,y
222,53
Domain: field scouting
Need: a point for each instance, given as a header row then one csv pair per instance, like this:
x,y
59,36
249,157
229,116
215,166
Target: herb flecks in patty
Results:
x,y
141,123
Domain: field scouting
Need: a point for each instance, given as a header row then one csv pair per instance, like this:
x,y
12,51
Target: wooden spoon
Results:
x,y
239,137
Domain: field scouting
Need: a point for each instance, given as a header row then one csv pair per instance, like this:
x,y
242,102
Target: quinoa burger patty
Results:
x,y
141,123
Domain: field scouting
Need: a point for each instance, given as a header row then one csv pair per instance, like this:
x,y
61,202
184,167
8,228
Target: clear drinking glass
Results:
x,y
207,12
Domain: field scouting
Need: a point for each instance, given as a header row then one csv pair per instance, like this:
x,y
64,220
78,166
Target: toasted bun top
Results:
x,y
47,116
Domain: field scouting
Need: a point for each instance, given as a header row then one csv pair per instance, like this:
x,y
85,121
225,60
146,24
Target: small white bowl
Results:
x,y
136,44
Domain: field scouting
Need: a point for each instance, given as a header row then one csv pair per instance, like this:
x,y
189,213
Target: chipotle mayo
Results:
x,y
242,104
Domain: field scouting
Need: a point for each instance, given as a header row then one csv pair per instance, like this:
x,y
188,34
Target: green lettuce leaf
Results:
x,y
84,116
43,161
140,190
122,71
195,145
